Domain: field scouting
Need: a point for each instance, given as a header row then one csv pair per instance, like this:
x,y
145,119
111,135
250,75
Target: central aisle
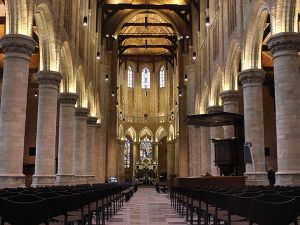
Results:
x,y
147,207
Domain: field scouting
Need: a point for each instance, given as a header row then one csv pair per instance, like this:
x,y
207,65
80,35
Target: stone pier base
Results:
x,y
12,180
65,179
288,178
256,178
42,180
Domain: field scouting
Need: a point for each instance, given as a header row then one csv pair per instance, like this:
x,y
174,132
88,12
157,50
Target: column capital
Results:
x,y
67,98
17,43
252,76
285,41
48,77
214,109
92,120
230,96
81,112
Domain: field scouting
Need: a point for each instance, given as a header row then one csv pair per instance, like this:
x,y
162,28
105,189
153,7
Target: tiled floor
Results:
x,y
147,207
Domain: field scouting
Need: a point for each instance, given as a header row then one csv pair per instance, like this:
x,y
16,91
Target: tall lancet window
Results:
x,y
130,77
146,149
146,78
127,153
162,77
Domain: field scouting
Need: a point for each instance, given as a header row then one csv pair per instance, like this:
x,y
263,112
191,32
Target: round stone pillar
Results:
x,y
65,175
285,48
79,145
254,124
215,132
205,150
121,166
135,156
17,51
99,155
193,150
170,158
90,153
230,101
177,156
46,128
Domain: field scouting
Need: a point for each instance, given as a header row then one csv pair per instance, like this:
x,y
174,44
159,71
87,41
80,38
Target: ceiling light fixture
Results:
x,y
106,77
185,77
207,23
194,56
85,21
98,55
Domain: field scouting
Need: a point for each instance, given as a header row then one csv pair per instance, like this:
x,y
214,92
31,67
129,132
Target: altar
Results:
x,y
146,171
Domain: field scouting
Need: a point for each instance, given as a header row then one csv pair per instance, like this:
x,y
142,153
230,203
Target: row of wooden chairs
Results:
x,y
80,204
232,205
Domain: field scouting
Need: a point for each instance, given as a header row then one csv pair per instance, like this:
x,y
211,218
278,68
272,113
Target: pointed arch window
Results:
x,y
146,78
146,149
127,153
162,77
130,77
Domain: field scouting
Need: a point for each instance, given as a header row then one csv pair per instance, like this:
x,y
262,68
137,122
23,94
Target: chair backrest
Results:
x,y
24,213
240,204
275,213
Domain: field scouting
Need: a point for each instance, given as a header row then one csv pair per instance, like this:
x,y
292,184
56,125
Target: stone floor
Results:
x,y
147,207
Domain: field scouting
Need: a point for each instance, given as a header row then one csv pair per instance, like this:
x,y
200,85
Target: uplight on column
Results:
x,y
85,21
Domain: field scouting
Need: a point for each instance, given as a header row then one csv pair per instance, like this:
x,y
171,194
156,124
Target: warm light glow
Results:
x,y
85,21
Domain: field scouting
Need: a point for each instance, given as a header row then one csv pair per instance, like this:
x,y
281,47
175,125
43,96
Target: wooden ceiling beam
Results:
x,y
148,24
172,38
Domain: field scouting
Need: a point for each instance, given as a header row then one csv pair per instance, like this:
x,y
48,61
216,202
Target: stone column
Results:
x,y
285,48
17,51
194,146
254,123
136,156
90,153
121,166
176,156
215,132
65,174
230,101
170,158
205,150
156,151
46,128
99,155
79,145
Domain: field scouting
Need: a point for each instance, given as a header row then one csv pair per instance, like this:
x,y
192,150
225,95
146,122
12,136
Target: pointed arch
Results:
x,y
251,57
216,89
230,81
160,133
145,132
171,132
19,17
81,88
121,134
49,57
131,133
68,68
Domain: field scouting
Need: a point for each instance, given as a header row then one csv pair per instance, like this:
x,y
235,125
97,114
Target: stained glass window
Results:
x,y
162,77
146,149
127,153
146,78
130,77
